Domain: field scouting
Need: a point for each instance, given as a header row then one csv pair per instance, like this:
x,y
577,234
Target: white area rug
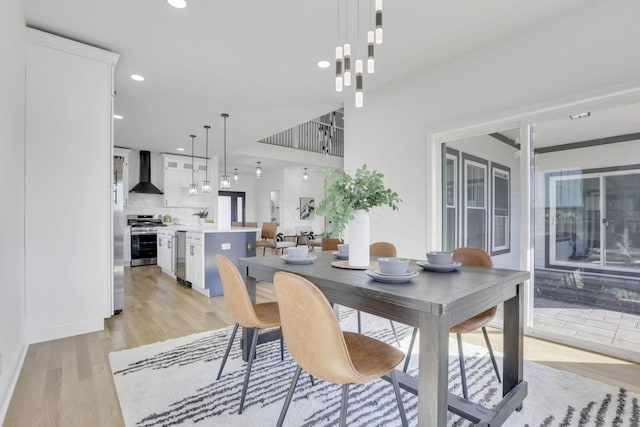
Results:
x,y
172,383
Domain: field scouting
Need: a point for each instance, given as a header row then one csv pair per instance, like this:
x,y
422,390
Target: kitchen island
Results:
x,y
193,262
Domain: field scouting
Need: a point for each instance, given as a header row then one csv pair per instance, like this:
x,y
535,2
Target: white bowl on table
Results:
x,y
439,258
390,265
298,252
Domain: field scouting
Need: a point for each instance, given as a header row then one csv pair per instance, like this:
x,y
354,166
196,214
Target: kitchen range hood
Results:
x,y
145,185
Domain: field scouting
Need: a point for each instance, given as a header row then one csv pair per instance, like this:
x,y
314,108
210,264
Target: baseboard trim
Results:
x,y
12,384
47,334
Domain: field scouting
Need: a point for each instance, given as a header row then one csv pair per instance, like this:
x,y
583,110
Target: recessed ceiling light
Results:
x,y
137,77
324,64
180,149
580,116
118,116
178,4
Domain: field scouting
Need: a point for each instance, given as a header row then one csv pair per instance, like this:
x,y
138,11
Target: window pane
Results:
x,y
500,232
476,228
577,204
623,221
451,182
475,186
450,236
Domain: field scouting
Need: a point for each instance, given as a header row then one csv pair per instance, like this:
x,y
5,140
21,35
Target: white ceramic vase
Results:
x,y
358,234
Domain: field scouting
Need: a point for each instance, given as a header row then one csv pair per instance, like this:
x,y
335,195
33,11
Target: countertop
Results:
x,y
211,228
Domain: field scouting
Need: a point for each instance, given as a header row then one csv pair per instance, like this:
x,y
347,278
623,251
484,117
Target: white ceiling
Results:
x,y
256,59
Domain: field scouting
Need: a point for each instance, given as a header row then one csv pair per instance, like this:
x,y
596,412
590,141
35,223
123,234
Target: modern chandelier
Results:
x,y
225,182
206,184
193,188
343,51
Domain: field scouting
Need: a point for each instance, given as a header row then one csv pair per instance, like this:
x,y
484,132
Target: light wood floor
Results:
x,y
68,382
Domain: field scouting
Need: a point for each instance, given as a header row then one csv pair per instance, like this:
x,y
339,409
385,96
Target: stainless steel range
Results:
x,y
144,234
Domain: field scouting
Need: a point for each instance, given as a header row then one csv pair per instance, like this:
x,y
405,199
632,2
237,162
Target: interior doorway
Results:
x,y
231,207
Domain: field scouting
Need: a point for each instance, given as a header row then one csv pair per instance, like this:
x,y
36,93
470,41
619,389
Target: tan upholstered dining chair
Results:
x,y
331,244
268,235
319,346
245,314
479,258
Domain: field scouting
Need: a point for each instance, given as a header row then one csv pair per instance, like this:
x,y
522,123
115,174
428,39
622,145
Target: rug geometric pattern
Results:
x,y
172,383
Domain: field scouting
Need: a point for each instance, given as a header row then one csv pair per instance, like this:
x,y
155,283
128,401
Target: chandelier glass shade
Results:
x,y
206,184
193,188
225,182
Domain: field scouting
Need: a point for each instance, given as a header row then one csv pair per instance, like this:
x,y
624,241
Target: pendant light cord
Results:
x,y
207,153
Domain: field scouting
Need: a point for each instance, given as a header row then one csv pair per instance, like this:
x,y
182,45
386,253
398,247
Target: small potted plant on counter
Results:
x,y
202,215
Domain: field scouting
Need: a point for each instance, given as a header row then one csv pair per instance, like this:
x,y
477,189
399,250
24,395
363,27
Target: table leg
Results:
x,y
433,380
513,341
247,332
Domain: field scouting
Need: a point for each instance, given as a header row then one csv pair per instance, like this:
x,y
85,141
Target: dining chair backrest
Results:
x,y
236,296
330,244
236,223
383,249
472,256
269,230
311,330
251,224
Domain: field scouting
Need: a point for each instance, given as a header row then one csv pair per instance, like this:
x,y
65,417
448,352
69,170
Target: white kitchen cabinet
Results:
x,y
178,178
166,251
126,246
195,262
69,169
124,153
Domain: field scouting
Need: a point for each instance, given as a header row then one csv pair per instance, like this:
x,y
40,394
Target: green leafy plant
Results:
x,y
202,214
346,194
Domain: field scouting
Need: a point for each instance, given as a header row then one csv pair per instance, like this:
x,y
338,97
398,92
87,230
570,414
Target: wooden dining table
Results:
x,y
432,302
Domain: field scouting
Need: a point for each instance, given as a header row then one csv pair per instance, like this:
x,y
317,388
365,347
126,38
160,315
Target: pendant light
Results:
x,y
236,177
225,182
378,21
206,184
193,188
258,171
305,176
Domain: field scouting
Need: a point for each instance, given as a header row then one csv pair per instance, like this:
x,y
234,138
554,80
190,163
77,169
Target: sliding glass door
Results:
x,y
594,220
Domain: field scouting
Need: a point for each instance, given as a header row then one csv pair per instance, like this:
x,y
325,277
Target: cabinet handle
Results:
x,y
169,244
191,250
159,243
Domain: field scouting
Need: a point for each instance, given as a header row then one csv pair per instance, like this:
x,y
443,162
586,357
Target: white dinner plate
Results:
x,y
306,260
339,255
405,274
391,278
439,267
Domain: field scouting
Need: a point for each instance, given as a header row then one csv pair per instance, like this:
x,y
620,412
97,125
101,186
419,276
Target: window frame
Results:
x,y
499,250
468,159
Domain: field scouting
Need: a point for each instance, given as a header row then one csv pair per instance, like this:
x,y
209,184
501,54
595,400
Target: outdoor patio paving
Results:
x,y
592,324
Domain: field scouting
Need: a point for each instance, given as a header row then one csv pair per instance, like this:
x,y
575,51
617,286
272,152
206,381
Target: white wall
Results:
x,y
12,283
293,190
589,49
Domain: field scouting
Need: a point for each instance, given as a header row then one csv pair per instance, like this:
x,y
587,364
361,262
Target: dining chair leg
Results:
x,y
226,353
287,401
359,324
396,390
408,356
395,334
312,380
281,345
252,356
493,358
463,374
343,406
